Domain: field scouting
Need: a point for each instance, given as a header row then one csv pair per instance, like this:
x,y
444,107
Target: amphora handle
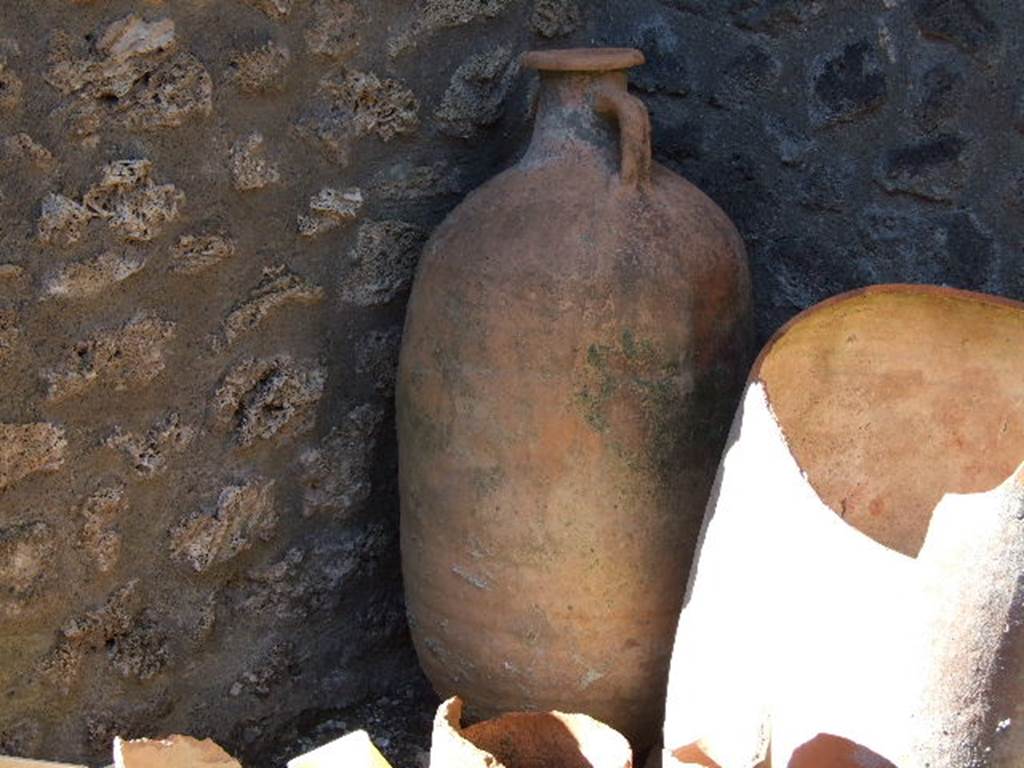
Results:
x,y
634,133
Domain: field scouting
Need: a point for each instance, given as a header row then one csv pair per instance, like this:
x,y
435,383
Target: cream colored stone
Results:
x,y
172,752
131,36
354,750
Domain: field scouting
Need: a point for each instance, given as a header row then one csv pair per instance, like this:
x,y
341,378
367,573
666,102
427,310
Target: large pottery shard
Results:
x,y
857,597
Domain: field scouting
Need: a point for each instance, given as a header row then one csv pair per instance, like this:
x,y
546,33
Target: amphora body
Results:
x,y
575,342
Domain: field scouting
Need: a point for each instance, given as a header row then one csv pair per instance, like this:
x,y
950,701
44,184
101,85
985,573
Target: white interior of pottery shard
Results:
x,y
868,637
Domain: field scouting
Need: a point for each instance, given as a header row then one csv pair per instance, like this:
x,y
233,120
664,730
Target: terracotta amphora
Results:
x,y
525,740
857,595
575,343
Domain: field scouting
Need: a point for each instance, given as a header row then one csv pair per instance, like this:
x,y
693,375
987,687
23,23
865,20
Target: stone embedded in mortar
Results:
x,y
336,475
428,17
20,147
10,329
963,23
900,242
351,104
205,619
193,254
1018,112
127,356
949,246
131,36
1013,192
262,398
933,169
791,145
276,288
773,16
259,70
61,220
180,89
260,679
942,95
10,273
306,582
99,536
88,633
132,204
476,95
377,357
148,454
328,209
250,167
665,69
93,276
383,261
747,74
80,119
142,652
329,128
242,514
275,9
26,560
384,108
967,251
134,77
555,18
97,75
26,449
847,83
334,31
826,187
11,88
404,181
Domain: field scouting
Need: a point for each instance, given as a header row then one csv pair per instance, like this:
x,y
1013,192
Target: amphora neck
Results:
x,y
584,107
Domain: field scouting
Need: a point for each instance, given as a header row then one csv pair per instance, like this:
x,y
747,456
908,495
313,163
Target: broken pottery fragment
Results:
x,y
857,596
21,762
575,342
525,740
171,752
354,750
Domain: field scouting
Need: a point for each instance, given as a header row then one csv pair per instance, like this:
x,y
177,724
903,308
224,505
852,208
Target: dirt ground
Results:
x,y
399,724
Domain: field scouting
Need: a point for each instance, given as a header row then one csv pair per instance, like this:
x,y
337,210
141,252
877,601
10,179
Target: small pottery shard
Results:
x,y
354,750
858,592
172,752
525,740
20,762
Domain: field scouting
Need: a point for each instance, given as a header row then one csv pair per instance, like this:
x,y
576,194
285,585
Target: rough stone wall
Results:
x,y
852,141
210,211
